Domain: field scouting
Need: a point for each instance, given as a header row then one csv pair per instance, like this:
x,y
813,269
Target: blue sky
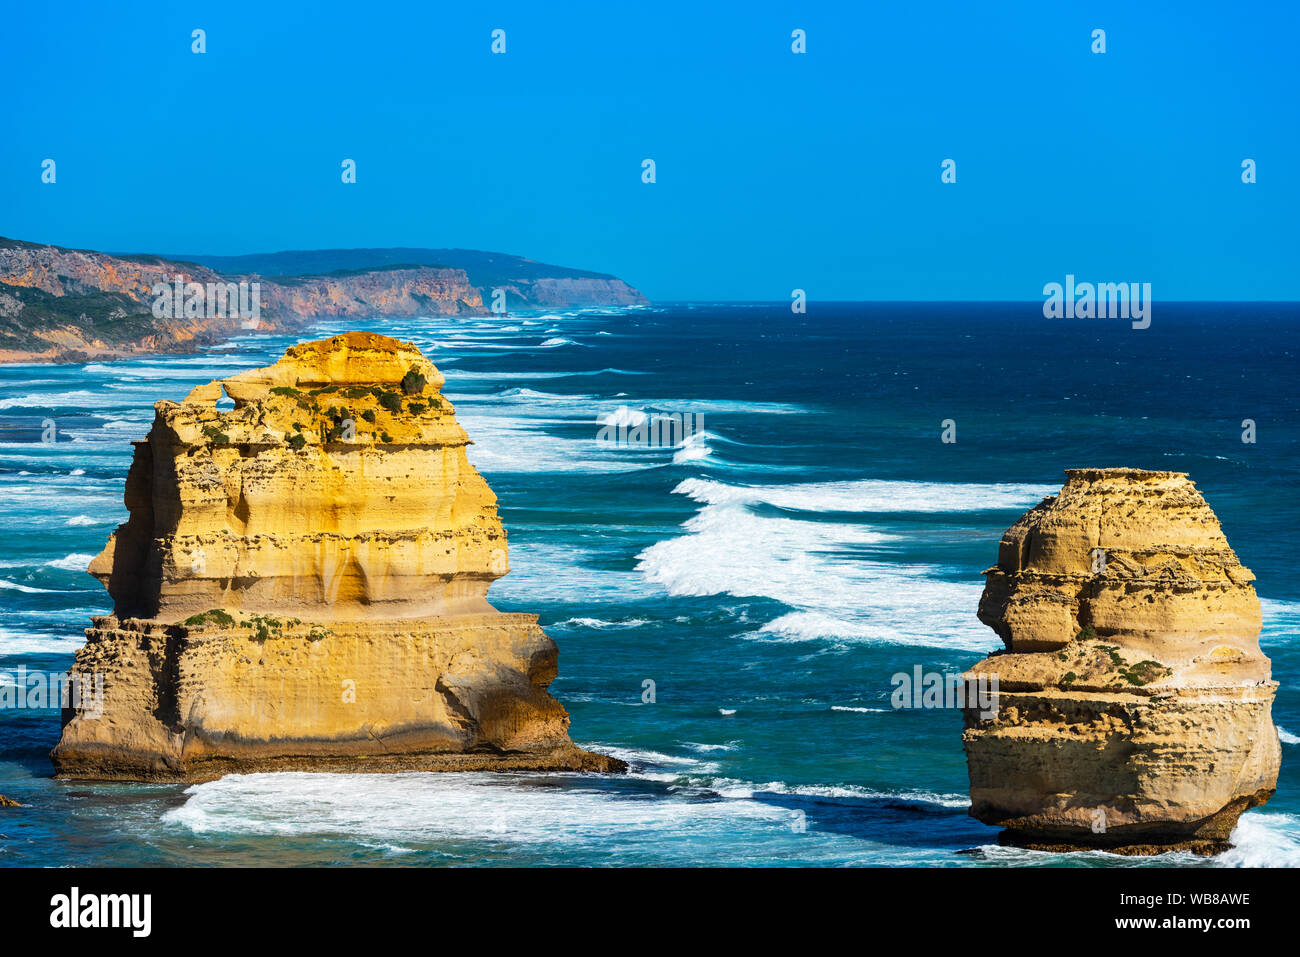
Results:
x,y
775,170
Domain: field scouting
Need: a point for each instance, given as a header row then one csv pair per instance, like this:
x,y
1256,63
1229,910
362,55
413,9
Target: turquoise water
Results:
x,y
769,576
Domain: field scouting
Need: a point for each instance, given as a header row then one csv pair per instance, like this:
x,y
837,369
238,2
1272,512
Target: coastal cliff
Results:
x,y
415,291
72,305
1134,703
302,583
528,284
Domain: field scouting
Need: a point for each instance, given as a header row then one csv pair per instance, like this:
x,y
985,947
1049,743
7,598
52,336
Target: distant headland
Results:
x,y
72,305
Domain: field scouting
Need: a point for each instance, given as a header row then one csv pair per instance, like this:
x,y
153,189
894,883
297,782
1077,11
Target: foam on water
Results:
x,y
829,572
845,707
664,807
28,589
511,430
175,370
415,808
14,642
1281,625
565,574
869,495
1264,839
504,444
1260,839
743,789
694,448
601,624
624,417
76,399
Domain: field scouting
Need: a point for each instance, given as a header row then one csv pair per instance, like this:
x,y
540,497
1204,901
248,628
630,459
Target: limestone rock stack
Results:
x,y
1134,706
302,584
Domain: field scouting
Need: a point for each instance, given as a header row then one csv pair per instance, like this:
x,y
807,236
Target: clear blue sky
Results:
x,y
775,170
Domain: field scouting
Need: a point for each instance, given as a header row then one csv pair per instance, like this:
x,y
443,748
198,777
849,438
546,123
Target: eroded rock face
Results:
x,y
1135,705
302,584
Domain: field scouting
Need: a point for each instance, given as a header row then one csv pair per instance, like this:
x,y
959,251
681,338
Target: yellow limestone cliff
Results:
x,y
1134,703
302,584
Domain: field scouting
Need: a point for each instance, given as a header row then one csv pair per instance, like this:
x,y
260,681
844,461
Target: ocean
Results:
x,y
730,610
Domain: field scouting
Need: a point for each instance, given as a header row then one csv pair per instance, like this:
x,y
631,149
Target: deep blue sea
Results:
x,y
769,575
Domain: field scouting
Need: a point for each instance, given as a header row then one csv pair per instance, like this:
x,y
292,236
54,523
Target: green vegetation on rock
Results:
x,y
413,382
213,616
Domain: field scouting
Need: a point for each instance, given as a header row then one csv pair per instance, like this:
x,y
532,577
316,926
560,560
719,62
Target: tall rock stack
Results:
x,y
1135,706
302,584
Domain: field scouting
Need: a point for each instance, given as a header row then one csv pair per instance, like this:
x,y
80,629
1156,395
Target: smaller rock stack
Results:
x,y
1135,705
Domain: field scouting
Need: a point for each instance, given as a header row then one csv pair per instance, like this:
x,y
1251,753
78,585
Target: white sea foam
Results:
x,y
560,573
405,810
1286,737
27,589
845,707
545,396
694,448
467,375
1260,839
1264,839
52,496
77,399
1281,622
868,495
741,789
813,625
512,433
29,643
642,759
515,444
76,562
828,572
601,624
413,808
623,416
